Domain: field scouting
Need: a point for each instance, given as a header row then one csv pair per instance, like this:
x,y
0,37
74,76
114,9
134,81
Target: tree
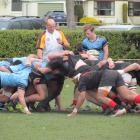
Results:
x,y
70,14
125,11
78,11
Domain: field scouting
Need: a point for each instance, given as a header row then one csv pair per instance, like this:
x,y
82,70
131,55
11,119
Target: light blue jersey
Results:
x,y
5,63
19,79
22,59
97,44
16,68
10,61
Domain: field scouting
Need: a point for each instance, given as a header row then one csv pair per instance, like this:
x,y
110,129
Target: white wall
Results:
x,y
30,9
134,19
5,8
119,11
89,11
90,8
117,18
85,5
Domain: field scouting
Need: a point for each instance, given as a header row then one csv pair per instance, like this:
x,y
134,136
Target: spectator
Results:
x,y
51,40
96,43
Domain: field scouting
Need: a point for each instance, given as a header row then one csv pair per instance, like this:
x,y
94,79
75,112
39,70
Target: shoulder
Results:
x,y
101,38
85,40
61,33
43,33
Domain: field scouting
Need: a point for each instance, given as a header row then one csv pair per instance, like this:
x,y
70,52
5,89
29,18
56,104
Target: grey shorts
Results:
x,y
111,78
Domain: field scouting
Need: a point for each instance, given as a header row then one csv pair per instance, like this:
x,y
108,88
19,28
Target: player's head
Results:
x,y
78,49
35,75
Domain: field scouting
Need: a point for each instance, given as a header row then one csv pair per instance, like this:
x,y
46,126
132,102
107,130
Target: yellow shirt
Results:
x,y
42,40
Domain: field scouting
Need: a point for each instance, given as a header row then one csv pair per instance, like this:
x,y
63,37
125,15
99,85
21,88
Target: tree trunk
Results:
x,y
70,14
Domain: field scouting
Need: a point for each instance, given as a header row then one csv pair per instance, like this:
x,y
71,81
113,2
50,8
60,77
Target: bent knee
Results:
x,y
100,98
42,97
136,66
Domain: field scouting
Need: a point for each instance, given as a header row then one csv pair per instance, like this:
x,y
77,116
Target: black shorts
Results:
x,y
138,77
85,68
0,83
91,62
111,78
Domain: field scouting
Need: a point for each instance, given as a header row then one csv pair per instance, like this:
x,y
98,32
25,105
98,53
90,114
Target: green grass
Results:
x,y
57,126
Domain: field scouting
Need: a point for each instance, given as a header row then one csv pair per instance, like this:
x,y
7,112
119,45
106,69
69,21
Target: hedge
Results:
x,y
122,45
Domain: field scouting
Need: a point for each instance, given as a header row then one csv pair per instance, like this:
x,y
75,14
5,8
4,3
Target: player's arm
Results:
x,y
80,101
131,67
52,56
4,69
42,70
111,63
106,52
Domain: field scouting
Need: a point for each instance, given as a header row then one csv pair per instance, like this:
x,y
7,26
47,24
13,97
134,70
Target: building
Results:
x,y
111,11
30,7
108,11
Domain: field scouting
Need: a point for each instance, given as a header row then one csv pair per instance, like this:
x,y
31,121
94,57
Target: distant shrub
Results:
x,y
89,20
122,44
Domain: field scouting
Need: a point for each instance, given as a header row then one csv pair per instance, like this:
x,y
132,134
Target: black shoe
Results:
x,y
108,111
46,108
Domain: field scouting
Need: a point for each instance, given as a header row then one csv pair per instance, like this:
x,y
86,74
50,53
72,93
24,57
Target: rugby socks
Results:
x,y
112,104
137,99
118,101
74,102
104,107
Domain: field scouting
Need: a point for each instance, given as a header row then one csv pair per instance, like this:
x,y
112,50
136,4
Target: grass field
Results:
x,y
57,126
